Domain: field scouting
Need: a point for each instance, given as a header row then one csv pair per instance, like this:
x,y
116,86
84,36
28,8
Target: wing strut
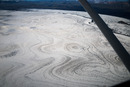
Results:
x,y
115,43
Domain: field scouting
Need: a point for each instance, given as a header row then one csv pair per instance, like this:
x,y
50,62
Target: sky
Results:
x,y
64,0
93,1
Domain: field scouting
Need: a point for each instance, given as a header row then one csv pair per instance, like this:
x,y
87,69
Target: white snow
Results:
x,y
56,48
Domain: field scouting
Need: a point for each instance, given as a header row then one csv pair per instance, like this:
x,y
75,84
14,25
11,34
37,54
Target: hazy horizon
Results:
x,y
74,0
